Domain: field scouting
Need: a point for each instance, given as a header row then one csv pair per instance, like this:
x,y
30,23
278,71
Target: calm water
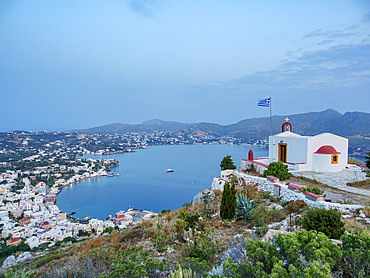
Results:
x,y
144,183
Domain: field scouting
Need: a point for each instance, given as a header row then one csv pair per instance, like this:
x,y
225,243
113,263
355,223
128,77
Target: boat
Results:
x,y
170,170
86,218
117,174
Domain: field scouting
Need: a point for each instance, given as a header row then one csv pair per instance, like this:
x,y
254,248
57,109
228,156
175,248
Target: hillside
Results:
x,y
312,123
196,239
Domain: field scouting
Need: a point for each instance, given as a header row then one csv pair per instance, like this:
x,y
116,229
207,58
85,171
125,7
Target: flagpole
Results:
x,y
270,116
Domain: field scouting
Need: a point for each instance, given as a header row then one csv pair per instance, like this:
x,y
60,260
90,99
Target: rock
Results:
x,y
198,198
9,262
276,206
362,214
24,257
226,173
337,241
269,237
218,184
346,216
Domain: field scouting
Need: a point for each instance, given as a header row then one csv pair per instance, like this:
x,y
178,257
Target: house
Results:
x,y
325,152
45,225
24,221
13,241
16,213
33,242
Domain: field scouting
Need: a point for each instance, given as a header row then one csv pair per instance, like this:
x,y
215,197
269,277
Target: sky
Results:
x,y
79,64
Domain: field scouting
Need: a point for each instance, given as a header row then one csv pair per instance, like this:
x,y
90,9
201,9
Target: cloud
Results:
x,y
338,67
143,8
336,34
325,42
366,18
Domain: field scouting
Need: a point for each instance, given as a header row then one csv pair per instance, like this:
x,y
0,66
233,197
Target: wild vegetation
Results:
x,y
195,241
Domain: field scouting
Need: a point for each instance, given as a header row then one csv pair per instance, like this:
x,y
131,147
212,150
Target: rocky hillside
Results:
x,y
195,241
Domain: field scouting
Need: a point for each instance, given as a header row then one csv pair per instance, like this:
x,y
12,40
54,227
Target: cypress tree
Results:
x,y
223,207
228,202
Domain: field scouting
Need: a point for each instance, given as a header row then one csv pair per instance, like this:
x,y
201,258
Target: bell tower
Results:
x,y
286,127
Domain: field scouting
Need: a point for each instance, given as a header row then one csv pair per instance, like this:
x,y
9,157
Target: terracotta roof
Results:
x,y
14,239
327,150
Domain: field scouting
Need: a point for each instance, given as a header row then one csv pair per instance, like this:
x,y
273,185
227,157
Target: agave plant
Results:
x,y
244,206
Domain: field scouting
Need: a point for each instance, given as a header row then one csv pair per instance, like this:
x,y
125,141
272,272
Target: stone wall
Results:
x,y
290,195
247,165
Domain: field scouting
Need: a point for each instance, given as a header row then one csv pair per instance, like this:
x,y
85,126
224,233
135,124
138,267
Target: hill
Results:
x,y
312,123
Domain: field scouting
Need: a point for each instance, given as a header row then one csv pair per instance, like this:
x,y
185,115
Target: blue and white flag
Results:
x,y
264,102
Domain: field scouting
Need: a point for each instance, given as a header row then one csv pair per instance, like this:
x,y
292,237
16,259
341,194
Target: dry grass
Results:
x,y
365,184
366,210
252,191
354,161
352,224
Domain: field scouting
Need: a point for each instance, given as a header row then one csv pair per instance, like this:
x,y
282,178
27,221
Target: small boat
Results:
x,y
73,212
117,174
170,170
86,218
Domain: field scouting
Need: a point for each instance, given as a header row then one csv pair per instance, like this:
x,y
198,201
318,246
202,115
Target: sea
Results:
x,y
143,182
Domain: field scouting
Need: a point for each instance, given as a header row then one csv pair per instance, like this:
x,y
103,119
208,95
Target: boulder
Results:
x,y
269,237
24,257
198,198
218,184
9,262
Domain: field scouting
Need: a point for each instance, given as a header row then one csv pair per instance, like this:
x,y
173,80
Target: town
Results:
x,y
35,166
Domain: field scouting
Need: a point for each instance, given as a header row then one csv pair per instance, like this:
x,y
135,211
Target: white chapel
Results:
x,y
325,152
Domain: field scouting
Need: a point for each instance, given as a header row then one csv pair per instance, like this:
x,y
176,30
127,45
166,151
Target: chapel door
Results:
x,y
282,152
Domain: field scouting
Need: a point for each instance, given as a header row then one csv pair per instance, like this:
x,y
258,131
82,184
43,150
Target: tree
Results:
x,y
277,169
228,202
227,163
328,222
367,160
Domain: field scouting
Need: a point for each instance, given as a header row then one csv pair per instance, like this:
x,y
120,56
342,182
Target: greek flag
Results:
x,y
264,102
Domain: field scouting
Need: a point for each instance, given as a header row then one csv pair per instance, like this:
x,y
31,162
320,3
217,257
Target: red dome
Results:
x,y
327,150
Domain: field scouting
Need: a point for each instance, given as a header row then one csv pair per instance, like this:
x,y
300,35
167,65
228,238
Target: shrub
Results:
x,y
296,207
301,254
356,254
328,222
313,189
277,169
182,273
228,202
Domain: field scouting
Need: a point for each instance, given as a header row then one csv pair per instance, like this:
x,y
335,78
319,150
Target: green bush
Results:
x,y
313,189
228,202
303,254
277,169
356,254
328,222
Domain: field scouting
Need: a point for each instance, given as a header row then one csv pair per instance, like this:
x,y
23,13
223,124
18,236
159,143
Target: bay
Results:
x,y
144,183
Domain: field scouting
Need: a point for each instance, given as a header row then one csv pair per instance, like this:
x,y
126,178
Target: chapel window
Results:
x,y
334,159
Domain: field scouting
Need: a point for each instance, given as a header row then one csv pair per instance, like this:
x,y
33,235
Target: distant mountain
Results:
x,y
165,125
312,123
148,126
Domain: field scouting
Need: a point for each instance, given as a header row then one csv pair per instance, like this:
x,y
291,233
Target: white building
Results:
x,y
325,152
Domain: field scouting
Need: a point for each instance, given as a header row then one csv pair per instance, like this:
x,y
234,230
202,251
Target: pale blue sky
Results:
x,y
79,64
